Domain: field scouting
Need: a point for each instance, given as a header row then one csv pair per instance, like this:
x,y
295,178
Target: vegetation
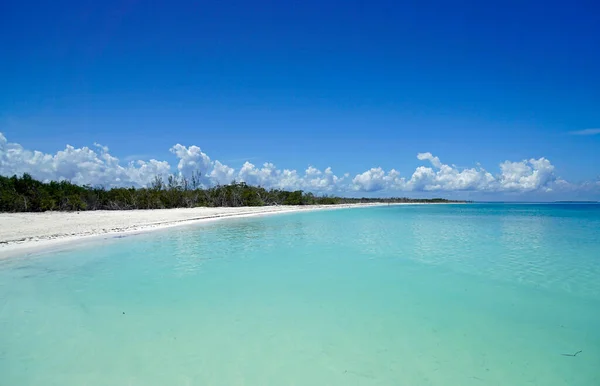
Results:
x,y
25,194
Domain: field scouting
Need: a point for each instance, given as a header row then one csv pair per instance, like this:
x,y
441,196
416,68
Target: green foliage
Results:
x,y
25,194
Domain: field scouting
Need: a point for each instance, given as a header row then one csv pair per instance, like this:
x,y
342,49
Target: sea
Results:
x,y
461,294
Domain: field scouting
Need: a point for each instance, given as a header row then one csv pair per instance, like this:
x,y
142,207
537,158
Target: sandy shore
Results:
x,y
22,233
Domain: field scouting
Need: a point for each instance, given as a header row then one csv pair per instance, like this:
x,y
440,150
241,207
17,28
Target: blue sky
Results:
x,y
348,85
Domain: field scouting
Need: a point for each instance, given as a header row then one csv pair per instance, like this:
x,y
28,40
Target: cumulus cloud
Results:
x,y
526,175
322,181
191,159
96,166
222,174
376,179
265,176
522,176
81,166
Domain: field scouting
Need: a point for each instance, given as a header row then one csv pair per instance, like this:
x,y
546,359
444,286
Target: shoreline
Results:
x,y
31,233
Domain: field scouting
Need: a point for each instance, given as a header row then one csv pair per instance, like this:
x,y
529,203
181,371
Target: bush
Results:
x,y
21,194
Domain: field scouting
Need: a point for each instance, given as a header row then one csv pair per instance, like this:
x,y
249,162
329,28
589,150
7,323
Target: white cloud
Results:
x,y
449,178
96,166
376,179
325,181
588,186
222,174
191,160
81,166
522,176
586,132
265,176
526,175
435,161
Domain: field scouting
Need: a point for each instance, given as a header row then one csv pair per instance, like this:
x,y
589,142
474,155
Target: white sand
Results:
x,y
33,232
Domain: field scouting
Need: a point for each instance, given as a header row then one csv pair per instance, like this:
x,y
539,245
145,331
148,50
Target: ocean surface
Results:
x,y
478,294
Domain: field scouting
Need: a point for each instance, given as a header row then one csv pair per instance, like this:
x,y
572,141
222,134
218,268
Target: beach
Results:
x,y
31,232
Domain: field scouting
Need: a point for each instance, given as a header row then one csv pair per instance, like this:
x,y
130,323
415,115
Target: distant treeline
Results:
x,y
25,194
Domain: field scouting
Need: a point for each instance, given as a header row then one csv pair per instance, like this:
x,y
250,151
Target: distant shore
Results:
x,y
23,233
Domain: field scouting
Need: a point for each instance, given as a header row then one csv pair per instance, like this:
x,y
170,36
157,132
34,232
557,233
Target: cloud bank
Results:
x,y
96,166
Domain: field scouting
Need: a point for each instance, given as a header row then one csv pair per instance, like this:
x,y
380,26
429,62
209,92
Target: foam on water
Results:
x,y
411,295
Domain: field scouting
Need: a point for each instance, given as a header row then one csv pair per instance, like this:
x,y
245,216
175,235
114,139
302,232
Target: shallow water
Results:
x,y
483,294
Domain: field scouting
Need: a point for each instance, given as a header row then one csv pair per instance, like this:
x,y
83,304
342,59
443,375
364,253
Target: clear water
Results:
x,y
411,295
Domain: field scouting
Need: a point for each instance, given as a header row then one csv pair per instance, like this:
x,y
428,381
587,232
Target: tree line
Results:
x,y
25,194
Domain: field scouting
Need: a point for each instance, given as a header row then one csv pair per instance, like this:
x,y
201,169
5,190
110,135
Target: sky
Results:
x,y
463,99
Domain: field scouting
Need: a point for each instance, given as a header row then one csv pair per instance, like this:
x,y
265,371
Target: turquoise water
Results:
x,y
413,295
